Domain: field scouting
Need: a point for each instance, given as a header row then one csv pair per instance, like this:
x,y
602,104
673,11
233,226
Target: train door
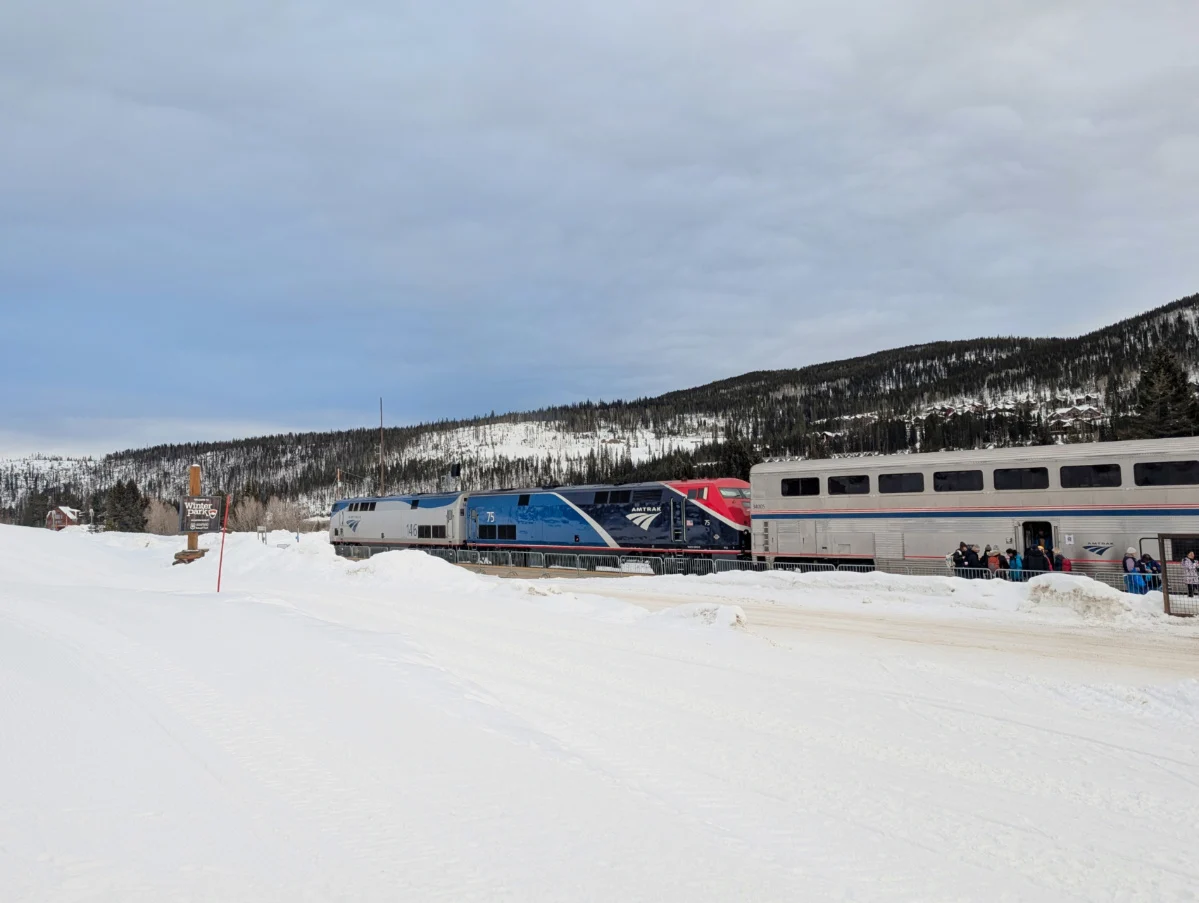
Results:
x,y
678,530
1037,532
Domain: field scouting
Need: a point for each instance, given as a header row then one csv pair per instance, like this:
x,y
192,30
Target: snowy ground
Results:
x,y
400,729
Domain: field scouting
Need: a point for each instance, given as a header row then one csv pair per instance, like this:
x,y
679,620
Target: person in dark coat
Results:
x,y
1061,562
1037,561
1154,570
972,562
959,559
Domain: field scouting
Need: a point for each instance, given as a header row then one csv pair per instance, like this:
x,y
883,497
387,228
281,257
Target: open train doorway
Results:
x,y
1036,533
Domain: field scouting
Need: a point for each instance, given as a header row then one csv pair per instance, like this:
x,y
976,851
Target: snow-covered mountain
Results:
x,y
939,395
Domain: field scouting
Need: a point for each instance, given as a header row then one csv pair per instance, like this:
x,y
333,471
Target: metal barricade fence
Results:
x,y
688,566
857,568
639,565
561,561
925,570
800,567
737,564
609,563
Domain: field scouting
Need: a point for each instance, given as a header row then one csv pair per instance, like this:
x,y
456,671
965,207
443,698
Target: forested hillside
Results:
x,y
922,397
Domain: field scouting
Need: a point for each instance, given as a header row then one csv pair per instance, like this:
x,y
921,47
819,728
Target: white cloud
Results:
x,y
601,199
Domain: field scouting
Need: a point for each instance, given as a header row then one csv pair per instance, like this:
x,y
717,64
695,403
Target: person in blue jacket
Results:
x,y
1014,565
1134,581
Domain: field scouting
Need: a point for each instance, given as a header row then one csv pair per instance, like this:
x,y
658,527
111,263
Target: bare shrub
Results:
x,y
161,518
282,514
247,515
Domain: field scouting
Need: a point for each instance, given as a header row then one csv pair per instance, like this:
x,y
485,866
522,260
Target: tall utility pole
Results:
x,y
381,492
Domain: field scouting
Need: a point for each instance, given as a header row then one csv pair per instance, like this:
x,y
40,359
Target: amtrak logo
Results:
x,y
353,523
1097,550
644,518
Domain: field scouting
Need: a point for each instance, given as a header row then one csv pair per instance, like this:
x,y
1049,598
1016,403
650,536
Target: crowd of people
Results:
x,y
1142,574
972,563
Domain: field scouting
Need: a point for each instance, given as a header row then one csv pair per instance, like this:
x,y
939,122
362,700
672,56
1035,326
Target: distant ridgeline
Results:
x,y
923,397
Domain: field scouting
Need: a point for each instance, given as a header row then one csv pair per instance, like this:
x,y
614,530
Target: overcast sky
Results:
x,y
235,216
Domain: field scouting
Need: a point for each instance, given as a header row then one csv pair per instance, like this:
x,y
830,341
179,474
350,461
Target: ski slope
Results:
x,y
400,729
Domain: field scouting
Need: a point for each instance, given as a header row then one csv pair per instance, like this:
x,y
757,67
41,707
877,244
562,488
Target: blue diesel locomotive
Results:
x,y
640,518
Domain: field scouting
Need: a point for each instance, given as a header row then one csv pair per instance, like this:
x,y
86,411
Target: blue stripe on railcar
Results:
x,y
1015,514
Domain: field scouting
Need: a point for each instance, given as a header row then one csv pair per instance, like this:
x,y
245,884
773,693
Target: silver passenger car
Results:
x,y
1093,501
397,522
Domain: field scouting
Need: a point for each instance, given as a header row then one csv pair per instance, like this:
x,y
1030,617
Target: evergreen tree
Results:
x,y
737,456
1165,400
125,508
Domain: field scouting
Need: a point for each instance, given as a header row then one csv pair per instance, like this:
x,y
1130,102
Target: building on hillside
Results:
x,y
62,516
1077,420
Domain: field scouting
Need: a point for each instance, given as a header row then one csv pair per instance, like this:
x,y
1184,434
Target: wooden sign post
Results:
x,y
196,512
193,489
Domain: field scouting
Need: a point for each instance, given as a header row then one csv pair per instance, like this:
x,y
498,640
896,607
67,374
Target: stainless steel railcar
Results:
x,y
1093,501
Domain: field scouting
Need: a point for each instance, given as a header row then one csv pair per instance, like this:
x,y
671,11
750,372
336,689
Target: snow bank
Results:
x,y
1090,598
414,568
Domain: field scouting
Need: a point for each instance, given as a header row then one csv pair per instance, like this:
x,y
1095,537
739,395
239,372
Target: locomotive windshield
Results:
x,y
733,492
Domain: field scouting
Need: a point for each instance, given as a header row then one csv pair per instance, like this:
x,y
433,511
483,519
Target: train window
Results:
x,y
732,492
486,531
1166,473
423,531
958,481
507,531
601,498
522,502
692,493
353,506
801,486
855,485
1090,476
621,497
372,507
645,497
1021,478
901,482
439,531
415,503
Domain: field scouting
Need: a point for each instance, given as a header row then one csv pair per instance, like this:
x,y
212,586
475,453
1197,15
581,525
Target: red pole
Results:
x,y
224,524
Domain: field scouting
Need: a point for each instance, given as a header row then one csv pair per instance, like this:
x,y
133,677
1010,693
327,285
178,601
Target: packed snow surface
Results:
x,y
401,729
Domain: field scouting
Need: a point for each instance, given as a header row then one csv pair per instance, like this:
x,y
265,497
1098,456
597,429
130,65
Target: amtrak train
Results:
x,y
1093,501
695,517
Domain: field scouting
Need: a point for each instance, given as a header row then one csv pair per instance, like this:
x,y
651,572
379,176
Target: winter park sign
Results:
x,y
200,514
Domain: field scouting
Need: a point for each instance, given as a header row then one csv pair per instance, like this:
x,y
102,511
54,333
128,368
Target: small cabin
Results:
x,y
62,516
